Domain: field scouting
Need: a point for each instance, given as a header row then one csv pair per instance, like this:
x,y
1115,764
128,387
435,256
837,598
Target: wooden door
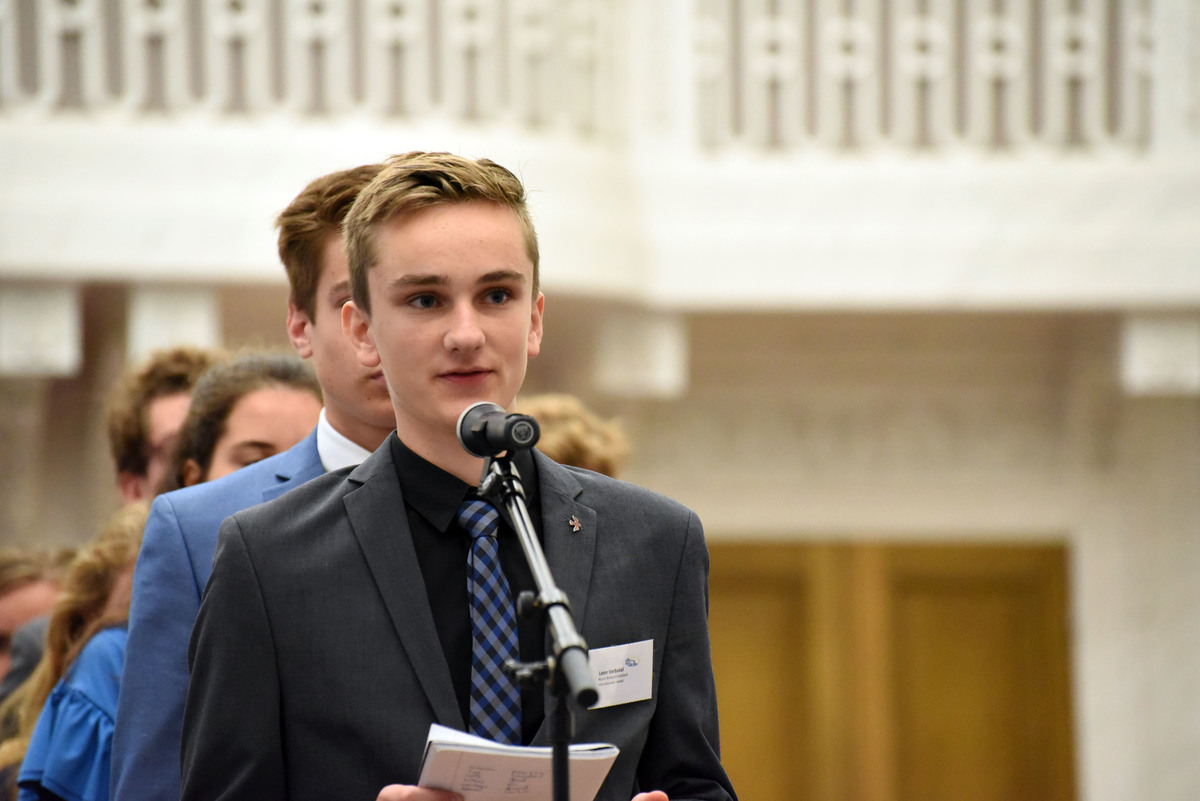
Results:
x,y
770,617
893,672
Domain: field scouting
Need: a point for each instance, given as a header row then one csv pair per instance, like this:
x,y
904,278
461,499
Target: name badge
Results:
x,y
623,673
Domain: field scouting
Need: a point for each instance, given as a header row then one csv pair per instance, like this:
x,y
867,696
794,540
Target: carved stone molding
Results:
x,y
780,75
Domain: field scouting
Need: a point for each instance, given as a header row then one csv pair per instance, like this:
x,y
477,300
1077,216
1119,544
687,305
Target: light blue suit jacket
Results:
x,y
172,569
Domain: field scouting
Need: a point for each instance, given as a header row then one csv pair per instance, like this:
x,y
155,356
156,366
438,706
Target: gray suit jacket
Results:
x,y
317,670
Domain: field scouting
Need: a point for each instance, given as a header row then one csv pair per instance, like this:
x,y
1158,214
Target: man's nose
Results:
x,y
465,332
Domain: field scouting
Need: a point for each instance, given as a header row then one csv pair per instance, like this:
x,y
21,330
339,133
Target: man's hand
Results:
x,y
407,792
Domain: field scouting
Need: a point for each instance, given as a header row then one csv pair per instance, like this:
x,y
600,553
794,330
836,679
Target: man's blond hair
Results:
x,y
417,180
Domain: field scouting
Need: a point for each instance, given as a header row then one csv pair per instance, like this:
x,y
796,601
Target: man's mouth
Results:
x,y
464,375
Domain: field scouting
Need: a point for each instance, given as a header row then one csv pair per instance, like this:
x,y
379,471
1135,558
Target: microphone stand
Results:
x,y
566,668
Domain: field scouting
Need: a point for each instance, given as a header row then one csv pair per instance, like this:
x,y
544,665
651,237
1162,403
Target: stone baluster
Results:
x,y
923,77
319,60
396,76
531,62
238,62
154,56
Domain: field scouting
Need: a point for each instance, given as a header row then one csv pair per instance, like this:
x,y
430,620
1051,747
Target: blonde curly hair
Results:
x,y
86,603
574,435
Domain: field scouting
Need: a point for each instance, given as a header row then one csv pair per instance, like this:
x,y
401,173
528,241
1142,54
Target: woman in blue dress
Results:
x,y
70,751
68,704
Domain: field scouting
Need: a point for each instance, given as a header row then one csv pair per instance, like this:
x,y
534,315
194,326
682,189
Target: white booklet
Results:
x,y
482,770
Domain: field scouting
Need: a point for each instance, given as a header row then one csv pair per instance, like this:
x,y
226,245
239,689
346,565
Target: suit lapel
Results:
x,y
295,466
569,552
377,518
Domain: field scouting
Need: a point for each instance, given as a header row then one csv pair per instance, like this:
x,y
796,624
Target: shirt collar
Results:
x,y
335,449
436,494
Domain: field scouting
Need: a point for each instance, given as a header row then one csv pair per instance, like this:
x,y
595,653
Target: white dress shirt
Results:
x,y
335,450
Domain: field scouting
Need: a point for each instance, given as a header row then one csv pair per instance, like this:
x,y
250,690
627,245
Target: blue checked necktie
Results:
x,y
495,698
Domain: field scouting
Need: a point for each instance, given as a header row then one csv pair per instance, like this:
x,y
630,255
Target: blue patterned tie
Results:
x,y
495,698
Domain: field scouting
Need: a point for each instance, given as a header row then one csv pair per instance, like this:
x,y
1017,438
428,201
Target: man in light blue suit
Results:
x,y
181,534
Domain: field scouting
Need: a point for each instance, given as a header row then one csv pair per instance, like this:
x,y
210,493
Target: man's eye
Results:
x,y
422,301
498,295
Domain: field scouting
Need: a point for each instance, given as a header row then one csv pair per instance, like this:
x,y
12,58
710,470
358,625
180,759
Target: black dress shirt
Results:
x,y
431,500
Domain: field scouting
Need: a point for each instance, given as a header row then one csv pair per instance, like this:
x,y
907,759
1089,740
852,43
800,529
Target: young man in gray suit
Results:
x,y
335,628
181,534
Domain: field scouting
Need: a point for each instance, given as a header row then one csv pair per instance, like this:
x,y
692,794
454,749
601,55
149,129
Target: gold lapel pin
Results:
x,y
574,523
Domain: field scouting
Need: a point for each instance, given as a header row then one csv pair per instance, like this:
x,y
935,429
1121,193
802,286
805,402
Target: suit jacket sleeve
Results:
x,y
232,745
682,756
145,759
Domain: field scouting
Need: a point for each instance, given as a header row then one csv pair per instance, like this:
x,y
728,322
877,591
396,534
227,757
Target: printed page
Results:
x,y
482,770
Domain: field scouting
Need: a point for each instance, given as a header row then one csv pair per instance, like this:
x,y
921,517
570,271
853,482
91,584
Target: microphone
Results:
x,y
485,429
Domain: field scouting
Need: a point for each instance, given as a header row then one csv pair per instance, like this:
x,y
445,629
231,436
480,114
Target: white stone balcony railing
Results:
x,y
536,63
780,75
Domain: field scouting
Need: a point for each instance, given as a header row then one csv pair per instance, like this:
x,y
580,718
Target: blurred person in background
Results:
x,y
181,534
574,435
145,412
256,405
65,709
243,410
29,583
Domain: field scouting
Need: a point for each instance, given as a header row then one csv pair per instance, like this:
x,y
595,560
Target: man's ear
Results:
x,y
356,326
535,327
132,487
299,326
192,474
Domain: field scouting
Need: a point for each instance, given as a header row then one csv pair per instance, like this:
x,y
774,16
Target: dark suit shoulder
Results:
x,y
625,491
296,543
615,490
301,507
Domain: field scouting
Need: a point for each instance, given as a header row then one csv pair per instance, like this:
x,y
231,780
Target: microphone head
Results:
x,y
485,429
472,423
